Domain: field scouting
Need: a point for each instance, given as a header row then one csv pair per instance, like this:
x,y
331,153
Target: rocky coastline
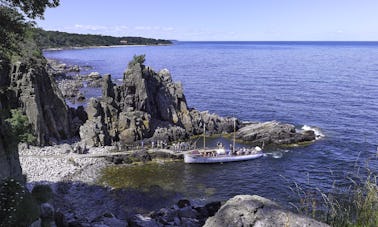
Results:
x,y
150,106
146,107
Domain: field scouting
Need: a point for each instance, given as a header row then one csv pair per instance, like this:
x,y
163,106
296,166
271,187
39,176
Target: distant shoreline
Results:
x,y
101,46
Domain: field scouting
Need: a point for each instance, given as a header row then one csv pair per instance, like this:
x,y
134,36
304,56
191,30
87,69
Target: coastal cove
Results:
x,y
300,83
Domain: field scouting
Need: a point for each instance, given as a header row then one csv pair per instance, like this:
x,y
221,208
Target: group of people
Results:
x,y
160,144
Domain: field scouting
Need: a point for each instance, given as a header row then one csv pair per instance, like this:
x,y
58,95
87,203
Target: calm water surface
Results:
x,y
332,86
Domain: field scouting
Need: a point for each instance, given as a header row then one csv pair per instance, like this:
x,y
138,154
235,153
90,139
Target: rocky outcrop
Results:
x,y
9,161
247,210
146,105
273,132
29,87
33,90
150,106
181,214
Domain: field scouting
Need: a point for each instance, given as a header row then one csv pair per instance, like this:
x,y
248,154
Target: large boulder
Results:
x,y
247,210
273,132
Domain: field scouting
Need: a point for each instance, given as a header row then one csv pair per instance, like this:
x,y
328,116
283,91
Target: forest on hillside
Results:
x,y
56,39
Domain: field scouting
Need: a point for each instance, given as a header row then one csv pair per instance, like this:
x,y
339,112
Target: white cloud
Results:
x,y
90,27
122,30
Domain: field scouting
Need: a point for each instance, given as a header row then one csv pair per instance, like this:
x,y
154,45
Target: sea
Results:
x,y
331,87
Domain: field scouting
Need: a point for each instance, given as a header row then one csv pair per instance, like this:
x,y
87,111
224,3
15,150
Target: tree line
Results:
x,y
56,39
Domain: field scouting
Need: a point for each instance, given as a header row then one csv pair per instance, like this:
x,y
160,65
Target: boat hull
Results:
x,y
190,158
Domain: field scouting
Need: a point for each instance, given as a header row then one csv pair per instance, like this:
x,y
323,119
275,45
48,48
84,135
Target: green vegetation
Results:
x,y
353,205
32,8
16,34
137,59
55,39
18,208
42,193
20,128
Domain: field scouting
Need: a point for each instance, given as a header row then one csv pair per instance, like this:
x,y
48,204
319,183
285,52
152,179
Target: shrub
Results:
x,y
42,193
353,205
17,207
137,59
20,128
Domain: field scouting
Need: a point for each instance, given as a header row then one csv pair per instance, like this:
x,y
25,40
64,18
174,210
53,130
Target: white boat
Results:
x,y
212,156
220,155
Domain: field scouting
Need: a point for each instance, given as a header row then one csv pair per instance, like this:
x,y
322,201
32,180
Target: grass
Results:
x,y
351,204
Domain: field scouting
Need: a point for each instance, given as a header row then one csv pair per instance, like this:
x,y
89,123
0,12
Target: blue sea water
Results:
x,y
329,85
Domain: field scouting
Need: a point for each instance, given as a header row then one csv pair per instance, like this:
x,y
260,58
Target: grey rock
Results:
x,y
190,222
94,75
80,97
110,222
37,223
9,160
33,90
273,132
183,203
188,212
212,208
47,211
141,221
247,210
60,219
148,105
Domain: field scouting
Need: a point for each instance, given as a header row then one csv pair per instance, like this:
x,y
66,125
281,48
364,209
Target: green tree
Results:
x,y
137,59
20,127
13,24
31,8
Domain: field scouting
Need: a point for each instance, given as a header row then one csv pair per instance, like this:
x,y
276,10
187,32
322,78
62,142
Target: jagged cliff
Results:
x,y
30,88
9,162
147,105
150,106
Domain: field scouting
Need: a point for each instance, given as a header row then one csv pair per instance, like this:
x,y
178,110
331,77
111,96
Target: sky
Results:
x,y
222,20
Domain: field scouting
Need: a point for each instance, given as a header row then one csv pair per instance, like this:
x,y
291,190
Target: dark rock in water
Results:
x,y
119,159
140,156
146,105
183,203
188,212
247,210
80,97
165,155
273,133
212,208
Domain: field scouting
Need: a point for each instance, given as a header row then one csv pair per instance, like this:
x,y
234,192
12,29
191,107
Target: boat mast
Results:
x,y
233,142
204,136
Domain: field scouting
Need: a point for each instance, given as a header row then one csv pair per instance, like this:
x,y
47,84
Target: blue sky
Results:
x,y
201,20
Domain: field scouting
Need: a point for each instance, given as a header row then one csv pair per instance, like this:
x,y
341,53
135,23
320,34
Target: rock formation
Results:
x,y
247,210
9,161
146,105
273,132
35,92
